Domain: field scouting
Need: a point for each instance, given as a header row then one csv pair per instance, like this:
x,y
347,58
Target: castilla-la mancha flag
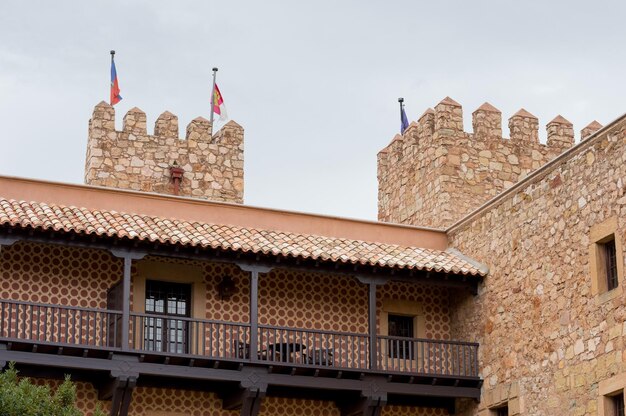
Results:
x,y
218,104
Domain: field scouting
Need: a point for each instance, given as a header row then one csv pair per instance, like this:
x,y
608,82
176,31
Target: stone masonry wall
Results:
x,y
212,165
547,339
435,173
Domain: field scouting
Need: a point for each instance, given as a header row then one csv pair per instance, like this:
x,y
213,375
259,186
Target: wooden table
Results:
x,y
285,350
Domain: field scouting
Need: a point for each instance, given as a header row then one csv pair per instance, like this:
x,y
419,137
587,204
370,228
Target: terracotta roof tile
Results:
x,y
226,237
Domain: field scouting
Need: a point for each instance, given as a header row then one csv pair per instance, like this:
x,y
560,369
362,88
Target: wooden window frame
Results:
x,y
402,349
609,260
154,269
608,389
502,410
618,403
168,317
599,235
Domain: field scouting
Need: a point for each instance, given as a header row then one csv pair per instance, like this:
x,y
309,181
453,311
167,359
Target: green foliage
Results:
x,y
19,397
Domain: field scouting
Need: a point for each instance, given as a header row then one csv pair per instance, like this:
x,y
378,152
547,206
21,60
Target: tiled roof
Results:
x,y
227,237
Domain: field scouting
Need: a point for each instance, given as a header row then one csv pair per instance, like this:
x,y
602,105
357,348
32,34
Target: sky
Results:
x,y
315,84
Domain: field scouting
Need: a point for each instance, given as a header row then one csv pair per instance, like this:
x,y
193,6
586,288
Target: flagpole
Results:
x,y
213,94
111,82
401,101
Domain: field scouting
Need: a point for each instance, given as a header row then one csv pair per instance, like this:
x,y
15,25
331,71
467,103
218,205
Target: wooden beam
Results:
x,y
106,390
128,393
254,313
254,270
371,310
130,365
365,406
128,257
252,404
119,390
248,400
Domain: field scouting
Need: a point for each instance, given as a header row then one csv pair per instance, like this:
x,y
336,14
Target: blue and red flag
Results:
x,y
404,122
115,88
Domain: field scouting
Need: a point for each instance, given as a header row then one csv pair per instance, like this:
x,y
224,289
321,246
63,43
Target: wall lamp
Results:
x,y
226,288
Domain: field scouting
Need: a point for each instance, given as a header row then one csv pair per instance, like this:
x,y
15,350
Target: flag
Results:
x,y
115,88
404,122
218,104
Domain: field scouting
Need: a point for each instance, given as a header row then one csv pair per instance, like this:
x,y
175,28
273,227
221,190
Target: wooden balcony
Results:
x,y
265,350
71,330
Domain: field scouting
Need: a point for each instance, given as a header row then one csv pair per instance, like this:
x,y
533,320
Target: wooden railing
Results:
x,y
180,335
313,347
426,356
44,324
60,325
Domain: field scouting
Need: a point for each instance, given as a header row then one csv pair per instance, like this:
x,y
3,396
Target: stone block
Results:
x,y
132,159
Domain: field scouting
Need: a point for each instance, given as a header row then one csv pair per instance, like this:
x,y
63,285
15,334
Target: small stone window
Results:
x,y
500,411
617,403
606,260
609,259
611,391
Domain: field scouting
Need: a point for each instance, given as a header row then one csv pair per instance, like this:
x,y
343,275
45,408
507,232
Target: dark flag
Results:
x,y
404,122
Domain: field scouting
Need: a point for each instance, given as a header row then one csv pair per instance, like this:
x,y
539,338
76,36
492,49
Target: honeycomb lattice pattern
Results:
x,y
59,275
434,301
151,401
81,277
412,411
86,395
312,301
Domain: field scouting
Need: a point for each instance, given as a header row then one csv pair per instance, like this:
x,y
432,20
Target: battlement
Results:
x,y
435,173
202,164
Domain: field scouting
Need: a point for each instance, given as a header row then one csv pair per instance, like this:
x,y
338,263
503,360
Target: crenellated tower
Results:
x,y
203,165
436,173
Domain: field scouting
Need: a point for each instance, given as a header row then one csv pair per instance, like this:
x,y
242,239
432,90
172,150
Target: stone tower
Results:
x,y
435,173
202,165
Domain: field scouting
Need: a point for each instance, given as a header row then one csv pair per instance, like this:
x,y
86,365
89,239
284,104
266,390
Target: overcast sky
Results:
x,y
315,84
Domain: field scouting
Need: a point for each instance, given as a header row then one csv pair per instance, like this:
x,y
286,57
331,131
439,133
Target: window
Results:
x,y
606,260
617,404
501,411
167,300
400,326
609,258
611,391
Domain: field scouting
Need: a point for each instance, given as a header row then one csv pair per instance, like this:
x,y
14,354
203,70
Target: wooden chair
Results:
x,y
322,356
241,349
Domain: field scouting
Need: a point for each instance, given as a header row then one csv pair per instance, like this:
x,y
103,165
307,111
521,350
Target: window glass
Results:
x,y
618,404
400,326
610,264
166,300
